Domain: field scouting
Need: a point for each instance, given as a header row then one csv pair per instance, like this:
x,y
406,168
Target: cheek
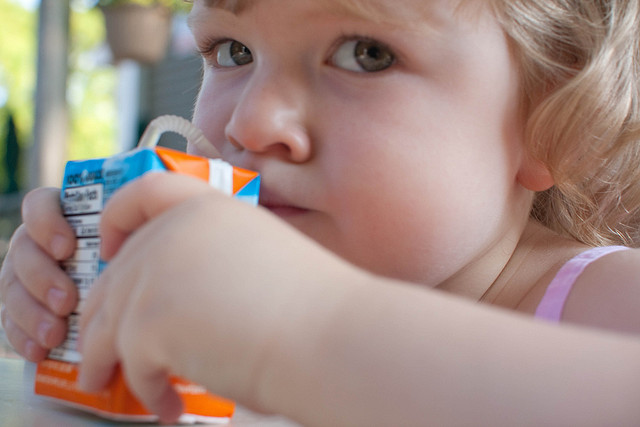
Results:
x,y
212,112
419,233
381,209
411,211
400,235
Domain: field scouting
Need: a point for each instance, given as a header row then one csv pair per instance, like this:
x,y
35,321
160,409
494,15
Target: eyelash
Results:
x,y
359,38
209,46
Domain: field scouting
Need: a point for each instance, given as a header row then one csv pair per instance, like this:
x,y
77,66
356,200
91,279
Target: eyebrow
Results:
x,y
365,9
379,11
233,6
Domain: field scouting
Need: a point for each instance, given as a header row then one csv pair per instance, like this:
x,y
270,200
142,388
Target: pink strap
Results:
x,y
552,304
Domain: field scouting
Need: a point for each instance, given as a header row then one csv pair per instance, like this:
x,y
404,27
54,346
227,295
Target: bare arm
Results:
x,y
607,293
395,354
256,312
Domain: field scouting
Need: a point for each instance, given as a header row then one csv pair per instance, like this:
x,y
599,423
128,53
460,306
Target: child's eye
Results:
x,y
230,53
363,56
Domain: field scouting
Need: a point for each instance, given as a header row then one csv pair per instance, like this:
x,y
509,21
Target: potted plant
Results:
x,y
139,29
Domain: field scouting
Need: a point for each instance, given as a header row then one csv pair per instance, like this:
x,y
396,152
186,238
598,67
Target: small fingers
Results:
x,y
7,273
99,363
154,390
20,341
34,320
99,323
142,200
99,355
40,275
45,223
109,336
36,294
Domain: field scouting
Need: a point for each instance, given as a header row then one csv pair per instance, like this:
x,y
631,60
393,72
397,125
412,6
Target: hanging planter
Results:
x,y
138,29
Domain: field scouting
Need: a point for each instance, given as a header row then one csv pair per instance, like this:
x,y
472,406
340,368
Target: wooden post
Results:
x,y
51,126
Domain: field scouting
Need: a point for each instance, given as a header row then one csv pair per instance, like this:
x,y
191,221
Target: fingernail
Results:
x,y
43,332
59,246
83,381
56,299
30,350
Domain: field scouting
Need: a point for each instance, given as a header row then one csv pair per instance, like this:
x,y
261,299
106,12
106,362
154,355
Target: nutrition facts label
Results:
x,y
82,207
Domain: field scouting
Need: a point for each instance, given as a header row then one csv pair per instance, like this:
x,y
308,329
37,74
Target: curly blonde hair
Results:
x,y
580,78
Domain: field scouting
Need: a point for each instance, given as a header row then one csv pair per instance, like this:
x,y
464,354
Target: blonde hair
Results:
x,y
580,78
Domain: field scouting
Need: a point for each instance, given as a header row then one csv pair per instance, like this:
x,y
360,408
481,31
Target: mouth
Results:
x,y
278,205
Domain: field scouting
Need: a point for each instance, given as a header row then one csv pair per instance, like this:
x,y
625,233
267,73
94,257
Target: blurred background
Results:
x,y
67,92
81,79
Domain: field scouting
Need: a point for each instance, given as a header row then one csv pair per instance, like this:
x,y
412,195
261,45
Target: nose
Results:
x,y
269,118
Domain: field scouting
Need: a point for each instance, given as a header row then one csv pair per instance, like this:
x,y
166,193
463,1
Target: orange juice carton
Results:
x,y
87,186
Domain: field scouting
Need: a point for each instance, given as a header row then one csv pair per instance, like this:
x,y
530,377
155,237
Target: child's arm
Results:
x,y
607,294
228,296
35,292
399,355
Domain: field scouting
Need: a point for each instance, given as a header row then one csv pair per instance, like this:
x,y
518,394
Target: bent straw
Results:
x,y
181,126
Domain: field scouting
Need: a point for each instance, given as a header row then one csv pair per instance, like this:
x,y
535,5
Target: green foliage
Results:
x,y
11,157
174,5
4,133
18,61
91,90
91,85
17,74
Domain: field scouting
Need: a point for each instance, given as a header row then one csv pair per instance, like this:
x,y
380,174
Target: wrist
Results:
x,y
292,368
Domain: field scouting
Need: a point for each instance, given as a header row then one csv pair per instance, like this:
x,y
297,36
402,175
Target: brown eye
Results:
x,y
232,53
363,56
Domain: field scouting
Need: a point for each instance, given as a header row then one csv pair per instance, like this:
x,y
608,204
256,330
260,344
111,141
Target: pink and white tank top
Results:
x,y
553,301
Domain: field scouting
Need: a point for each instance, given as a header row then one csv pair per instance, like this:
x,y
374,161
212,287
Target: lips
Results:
x,y
279,205
273,186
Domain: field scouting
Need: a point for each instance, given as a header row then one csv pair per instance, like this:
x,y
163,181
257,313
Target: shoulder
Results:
x,y
607,293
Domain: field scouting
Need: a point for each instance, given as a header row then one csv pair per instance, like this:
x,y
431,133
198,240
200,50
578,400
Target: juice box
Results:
x,y
87,186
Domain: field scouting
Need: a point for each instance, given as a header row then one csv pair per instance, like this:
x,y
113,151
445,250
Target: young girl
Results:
x,y
484,149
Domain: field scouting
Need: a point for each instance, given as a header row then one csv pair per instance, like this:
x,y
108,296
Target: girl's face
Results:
x,y
394,143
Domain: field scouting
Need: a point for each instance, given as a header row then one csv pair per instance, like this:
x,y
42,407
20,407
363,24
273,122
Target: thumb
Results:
x,y
140,201
155,392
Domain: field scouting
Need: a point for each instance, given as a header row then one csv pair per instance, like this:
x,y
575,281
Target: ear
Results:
x,y
534,175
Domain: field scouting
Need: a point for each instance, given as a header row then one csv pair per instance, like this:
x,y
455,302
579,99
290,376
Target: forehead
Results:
x,y
392,11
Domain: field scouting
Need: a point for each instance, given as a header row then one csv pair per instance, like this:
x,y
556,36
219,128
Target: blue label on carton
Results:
x,y
87,186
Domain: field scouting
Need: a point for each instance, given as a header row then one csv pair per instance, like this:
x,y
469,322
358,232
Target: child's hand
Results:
x,y
200,287
37,294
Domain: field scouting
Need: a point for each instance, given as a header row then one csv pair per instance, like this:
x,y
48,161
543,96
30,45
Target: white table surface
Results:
x,y
19,407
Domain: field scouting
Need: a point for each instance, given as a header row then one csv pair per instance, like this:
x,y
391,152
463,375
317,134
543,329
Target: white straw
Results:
x,y
182,127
